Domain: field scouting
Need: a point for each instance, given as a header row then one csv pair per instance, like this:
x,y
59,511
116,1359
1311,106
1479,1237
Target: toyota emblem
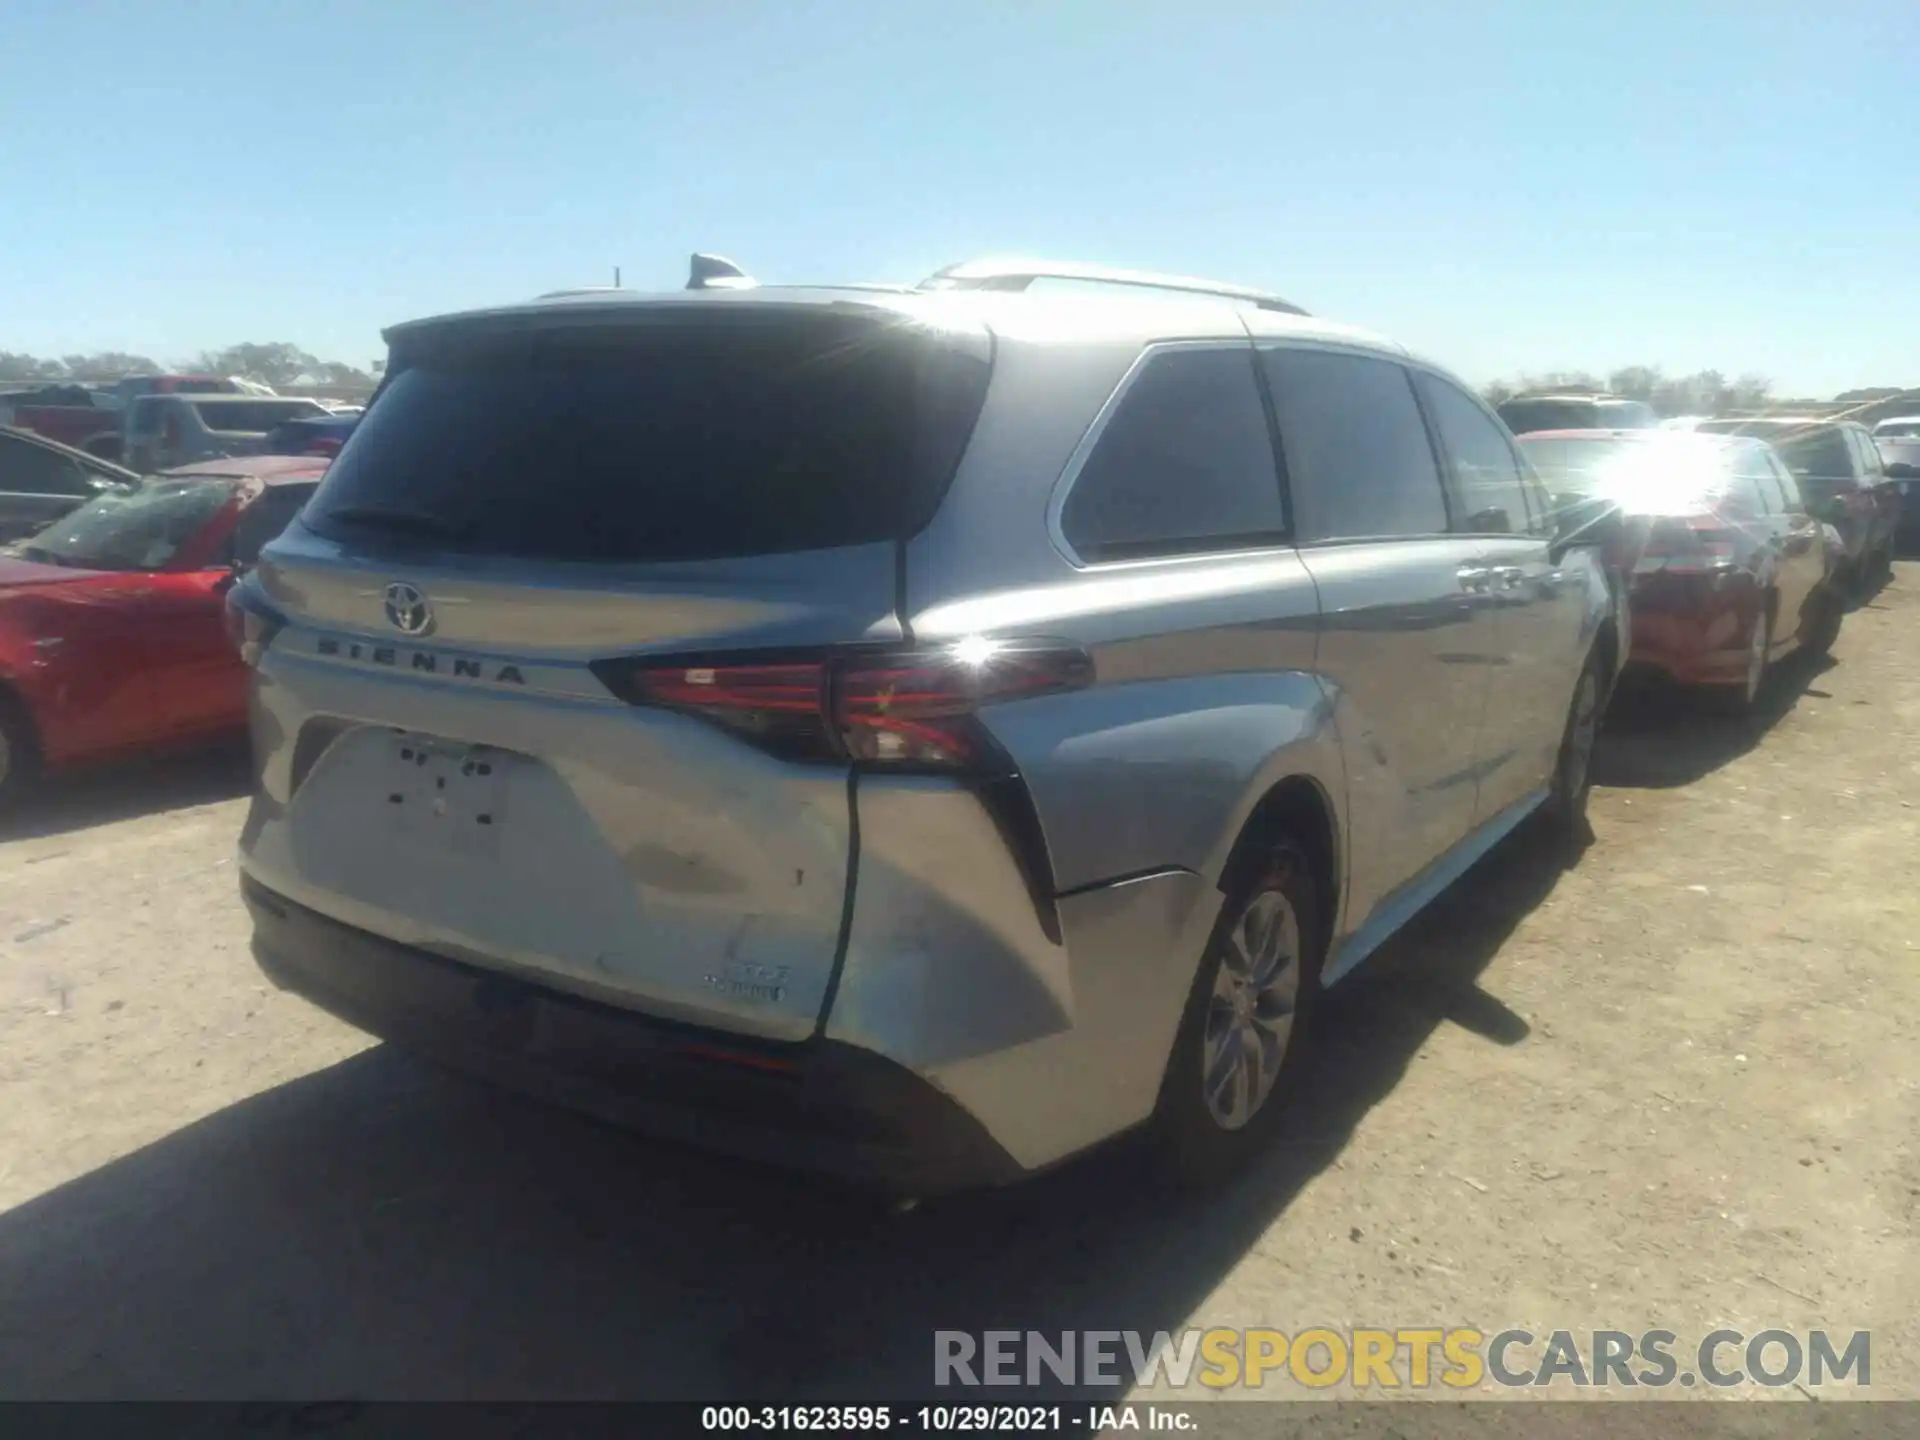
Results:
x,y
407,609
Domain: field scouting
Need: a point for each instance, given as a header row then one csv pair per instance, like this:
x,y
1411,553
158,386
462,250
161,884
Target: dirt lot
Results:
x,y
1677,1086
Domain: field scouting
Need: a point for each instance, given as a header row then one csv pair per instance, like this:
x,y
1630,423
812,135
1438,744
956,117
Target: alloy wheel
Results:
x,y
1250,1014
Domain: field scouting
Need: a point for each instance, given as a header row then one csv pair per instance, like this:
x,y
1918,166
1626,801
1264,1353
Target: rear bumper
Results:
x,y
1691,648
820,1105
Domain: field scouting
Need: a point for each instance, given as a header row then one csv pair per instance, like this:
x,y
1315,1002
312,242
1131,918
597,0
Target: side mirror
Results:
x,y
1587,523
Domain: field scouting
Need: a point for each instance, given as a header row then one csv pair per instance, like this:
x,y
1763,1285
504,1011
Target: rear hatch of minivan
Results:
x,y
548,684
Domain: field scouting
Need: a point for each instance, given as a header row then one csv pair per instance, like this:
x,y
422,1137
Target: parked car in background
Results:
x,y
1842,478
311,435
621,616
164,431
41,480
93,418
1729,572
1898,441
112,627
71,414
1524,413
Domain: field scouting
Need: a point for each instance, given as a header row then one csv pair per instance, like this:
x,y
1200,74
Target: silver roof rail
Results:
x,y
716,272
1016,275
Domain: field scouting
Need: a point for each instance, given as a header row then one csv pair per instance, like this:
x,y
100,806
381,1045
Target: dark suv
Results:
x,y
1843,478
1526,413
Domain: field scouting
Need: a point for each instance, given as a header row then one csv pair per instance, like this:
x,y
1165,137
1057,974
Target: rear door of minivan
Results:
x,y
560,627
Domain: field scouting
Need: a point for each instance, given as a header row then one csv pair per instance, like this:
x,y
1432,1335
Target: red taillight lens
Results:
x,y
897,708
251,622
1701,546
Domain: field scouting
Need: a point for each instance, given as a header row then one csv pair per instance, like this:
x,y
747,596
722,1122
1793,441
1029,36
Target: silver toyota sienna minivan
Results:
x,y
917,733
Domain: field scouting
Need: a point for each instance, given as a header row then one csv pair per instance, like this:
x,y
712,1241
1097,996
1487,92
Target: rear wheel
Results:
x,y
18,752
1566,810
1820,625
1240,1039
1739,699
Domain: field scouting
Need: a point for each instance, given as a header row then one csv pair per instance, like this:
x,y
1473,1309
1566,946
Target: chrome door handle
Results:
x,y
1473,579
1509,576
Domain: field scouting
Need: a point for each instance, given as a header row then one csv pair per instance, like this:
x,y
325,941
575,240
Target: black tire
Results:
x,y
1820,624
1195,1147
1564,816
1740,700
19,750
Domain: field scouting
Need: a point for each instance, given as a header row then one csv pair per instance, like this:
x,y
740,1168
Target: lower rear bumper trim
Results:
x,y
820,1105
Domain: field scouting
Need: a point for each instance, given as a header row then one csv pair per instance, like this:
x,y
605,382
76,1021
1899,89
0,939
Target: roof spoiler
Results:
x,y
716,272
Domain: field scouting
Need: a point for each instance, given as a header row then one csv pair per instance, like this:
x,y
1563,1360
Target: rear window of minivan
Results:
x,y
757,430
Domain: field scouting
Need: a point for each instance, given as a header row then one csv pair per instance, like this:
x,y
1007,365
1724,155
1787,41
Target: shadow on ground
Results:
x,y
58,804
379,1230
1658,737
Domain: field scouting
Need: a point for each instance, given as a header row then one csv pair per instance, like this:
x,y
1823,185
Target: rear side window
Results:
x,y
1522,416
29,469
1870,465
1481,466
1184,465
755,432
1821,453
1359,462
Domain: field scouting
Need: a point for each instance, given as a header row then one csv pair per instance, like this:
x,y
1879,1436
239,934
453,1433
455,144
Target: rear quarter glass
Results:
x,y
671,438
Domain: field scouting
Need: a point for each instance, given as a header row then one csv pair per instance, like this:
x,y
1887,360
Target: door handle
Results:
x,y
1509,577
1473,579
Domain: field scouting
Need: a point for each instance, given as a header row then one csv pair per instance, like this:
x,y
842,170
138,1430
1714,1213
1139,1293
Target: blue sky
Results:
x,y
1506,187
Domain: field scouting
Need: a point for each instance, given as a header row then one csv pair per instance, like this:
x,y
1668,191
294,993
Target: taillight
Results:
x,y
911,709
1700,546
251,621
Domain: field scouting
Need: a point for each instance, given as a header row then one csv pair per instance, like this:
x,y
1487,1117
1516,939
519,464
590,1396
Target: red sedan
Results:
x,y
1726,570
112,632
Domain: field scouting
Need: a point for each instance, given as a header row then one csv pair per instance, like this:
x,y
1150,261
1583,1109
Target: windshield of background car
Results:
x,y
1674,473
697,437
1897,430
140,530
255,416
1522,416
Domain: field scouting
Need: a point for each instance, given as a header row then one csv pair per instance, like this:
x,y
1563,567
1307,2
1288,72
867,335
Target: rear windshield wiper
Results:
x,y
419,522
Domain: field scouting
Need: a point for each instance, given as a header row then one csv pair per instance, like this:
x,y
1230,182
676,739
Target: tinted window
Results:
x,y
1184,464
1358,457
1870,465
270,513
254,416
1822,453
1521,416
1481,465
754,431
29,469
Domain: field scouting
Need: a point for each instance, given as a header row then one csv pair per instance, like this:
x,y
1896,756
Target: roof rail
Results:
x,y
1017,275
580,290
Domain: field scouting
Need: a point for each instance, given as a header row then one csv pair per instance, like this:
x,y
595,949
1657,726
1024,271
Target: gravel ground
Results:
x,y
1674,1087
